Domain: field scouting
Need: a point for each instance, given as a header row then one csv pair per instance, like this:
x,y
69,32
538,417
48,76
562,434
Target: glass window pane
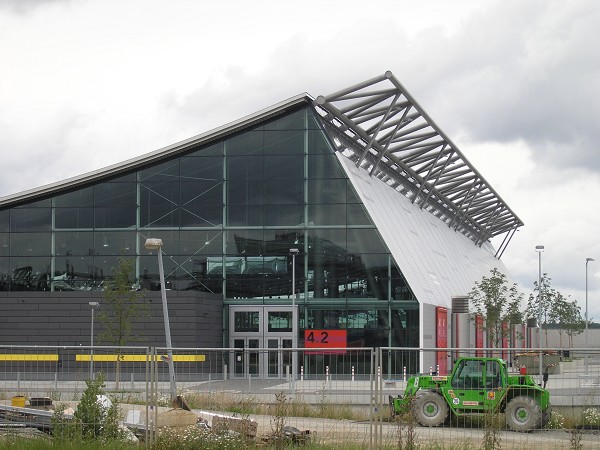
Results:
x,y
327,191
115,243
248,143
31,219
245,192
201,242
4,220
75,274
46,203
282,167
245,242
291,121
211,150
365,240
123,195
246,321
167,171
205,168
30,274
115,217
30,244
357,215
318,144
327,214
324,166
284,215
248,215
74,217
284,142
71,243
80,197
280,321
159,204
284,191
245,167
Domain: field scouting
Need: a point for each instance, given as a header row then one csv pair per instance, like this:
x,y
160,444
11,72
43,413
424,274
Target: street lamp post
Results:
x,y
93,305
540,249
156,244
587,317
294,252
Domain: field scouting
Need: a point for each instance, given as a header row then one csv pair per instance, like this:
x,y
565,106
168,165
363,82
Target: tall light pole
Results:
x,y
540,249
156,244
587,317
294,252
93,305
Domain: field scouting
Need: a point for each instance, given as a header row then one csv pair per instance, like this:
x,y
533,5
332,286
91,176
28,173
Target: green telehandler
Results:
x,y
476,386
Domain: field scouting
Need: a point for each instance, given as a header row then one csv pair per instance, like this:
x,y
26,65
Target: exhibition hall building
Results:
x,y
351,213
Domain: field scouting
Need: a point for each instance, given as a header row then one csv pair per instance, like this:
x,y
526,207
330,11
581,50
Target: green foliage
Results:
x,y
92,421
121,307
499,303
555,308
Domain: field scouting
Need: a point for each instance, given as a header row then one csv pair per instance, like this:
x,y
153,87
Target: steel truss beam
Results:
x,y
378,125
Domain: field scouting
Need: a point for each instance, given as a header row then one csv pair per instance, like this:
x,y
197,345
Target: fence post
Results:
x,y
352,373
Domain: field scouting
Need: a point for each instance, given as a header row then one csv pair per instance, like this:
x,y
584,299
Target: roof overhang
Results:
x,y
378,125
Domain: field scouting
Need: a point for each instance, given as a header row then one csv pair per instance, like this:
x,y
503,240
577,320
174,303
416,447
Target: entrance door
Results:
x,y
262,334
247,359
279,360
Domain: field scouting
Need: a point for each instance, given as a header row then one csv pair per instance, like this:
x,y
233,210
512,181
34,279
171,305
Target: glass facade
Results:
x,y
228,214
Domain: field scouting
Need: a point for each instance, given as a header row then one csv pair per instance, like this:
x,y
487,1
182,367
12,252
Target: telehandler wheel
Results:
x,y
523,414
430,409
546,415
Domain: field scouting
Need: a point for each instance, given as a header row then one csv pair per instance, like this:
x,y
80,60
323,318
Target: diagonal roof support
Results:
x,y
373,118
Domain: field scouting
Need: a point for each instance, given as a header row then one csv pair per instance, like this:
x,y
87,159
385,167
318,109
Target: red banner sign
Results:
x,y
325,340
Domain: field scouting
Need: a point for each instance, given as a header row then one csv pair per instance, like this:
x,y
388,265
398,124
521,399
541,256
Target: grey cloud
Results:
x,y
531,74
29,6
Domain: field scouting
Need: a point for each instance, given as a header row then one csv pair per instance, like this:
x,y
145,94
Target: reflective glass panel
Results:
x,y
30,219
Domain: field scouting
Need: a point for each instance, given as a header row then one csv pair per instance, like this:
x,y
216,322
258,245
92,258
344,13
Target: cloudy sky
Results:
x,y
515,84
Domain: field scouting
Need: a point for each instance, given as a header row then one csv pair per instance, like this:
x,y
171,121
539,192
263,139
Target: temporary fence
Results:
x,y
333,395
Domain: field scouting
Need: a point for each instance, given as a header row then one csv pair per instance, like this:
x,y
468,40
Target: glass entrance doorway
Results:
x,y
263,335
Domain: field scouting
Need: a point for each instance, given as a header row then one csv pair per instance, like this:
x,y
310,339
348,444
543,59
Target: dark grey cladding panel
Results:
x,y
59,318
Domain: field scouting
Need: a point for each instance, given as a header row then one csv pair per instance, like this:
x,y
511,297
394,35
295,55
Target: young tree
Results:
x,y
540,303
569,319
121,307
499,303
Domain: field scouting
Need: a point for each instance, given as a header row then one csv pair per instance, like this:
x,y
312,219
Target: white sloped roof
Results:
x,y
437,261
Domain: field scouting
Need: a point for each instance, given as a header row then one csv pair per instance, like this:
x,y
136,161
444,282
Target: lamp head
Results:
x,y
93,304
294,251
153,244
539,248
587,260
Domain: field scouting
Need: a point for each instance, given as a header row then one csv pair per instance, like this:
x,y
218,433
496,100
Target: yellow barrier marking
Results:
x,y
139,358
28,357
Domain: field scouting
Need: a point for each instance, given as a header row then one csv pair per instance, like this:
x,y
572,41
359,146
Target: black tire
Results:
x,y
430,409
523,414
546,415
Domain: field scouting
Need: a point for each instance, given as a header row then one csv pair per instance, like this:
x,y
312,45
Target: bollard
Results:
x,y
352,373
430,370
326,373
404,373
379,376
224,372
437,369
132,382
301,373
56,381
